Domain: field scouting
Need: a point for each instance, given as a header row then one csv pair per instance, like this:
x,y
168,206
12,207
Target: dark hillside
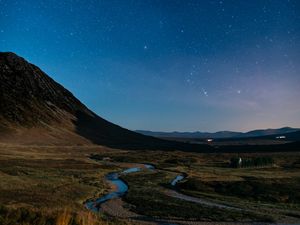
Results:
x,y
34,109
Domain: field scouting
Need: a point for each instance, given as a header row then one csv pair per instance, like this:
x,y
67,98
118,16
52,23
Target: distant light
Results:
x,y
209,140
280,137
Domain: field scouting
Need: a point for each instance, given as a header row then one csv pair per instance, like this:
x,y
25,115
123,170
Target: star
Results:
x,y
204,92
210,49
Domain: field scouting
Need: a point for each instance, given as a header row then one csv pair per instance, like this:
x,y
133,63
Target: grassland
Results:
x,y
148,198
38,184
266,193
48,185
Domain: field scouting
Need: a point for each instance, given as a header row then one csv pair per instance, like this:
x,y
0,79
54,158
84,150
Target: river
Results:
x,y
121,187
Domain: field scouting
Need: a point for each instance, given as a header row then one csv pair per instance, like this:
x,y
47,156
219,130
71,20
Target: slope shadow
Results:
x,y
288,147
102,132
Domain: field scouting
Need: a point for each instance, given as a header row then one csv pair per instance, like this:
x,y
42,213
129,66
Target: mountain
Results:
x,y
34,109
220,134
197,134
265,132
289,136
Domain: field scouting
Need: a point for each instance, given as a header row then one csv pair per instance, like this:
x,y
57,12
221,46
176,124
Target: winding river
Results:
x,y
121,187
177,179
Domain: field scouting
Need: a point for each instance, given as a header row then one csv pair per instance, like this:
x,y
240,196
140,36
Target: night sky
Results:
x,y
167,65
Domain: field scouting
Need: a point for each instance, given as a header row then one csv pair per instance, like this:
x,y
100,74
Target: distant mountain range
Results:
x,y
220,134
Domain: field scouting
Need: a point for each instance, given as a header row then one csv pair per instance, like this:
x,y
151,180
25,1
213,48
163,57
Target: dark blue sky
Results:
x,y
167,64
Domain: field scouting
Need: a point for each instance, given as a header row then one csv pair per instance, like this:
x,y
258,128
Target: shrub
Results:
x,y
236,162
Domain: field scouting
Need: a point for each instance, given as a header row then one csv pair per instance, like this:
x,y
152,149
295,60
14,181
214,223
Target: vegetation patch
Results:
x,y
239,162
265,190
148,199
24,216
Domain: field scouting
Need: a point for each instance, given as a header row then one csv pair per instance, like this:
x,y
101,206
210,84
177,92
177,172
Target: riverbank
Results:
x,y
120,186
49,180
154,188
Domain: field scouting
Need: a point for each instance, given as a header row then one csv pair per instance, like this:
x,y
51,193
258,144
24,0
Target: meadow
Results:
x,y
268,193
49,185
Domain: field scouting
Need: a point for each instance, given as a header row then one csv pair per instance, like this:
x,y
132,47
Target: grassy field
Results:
x,y
49,185
270,193
39,184
147,197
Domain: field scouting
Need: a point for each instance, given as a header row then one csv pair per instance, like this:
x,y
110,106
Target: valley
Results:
x,y
62,164
149,112
53,180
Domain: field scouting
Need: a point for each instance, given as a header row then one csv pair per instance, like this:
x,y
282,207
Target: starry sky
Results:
x,y
167,65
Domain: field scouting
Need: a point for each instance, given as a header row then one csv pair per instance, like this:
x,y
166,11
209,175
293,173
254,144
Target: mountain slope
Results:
x,y
34,109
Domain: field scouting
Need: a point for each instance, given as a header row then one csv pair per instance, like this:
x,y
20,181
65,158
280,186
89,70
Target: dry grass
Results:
x,y
65,218
81,218
53,181
88,218
214,169
50,177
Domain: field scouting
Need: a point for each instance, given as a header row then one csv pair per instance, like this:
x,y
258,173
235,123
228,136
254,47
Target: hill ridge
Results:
x,y
220,134
35,107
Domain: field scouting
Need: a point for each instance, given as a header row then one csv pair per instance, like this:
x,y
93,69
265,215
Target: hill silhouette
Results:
x,y
34,109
